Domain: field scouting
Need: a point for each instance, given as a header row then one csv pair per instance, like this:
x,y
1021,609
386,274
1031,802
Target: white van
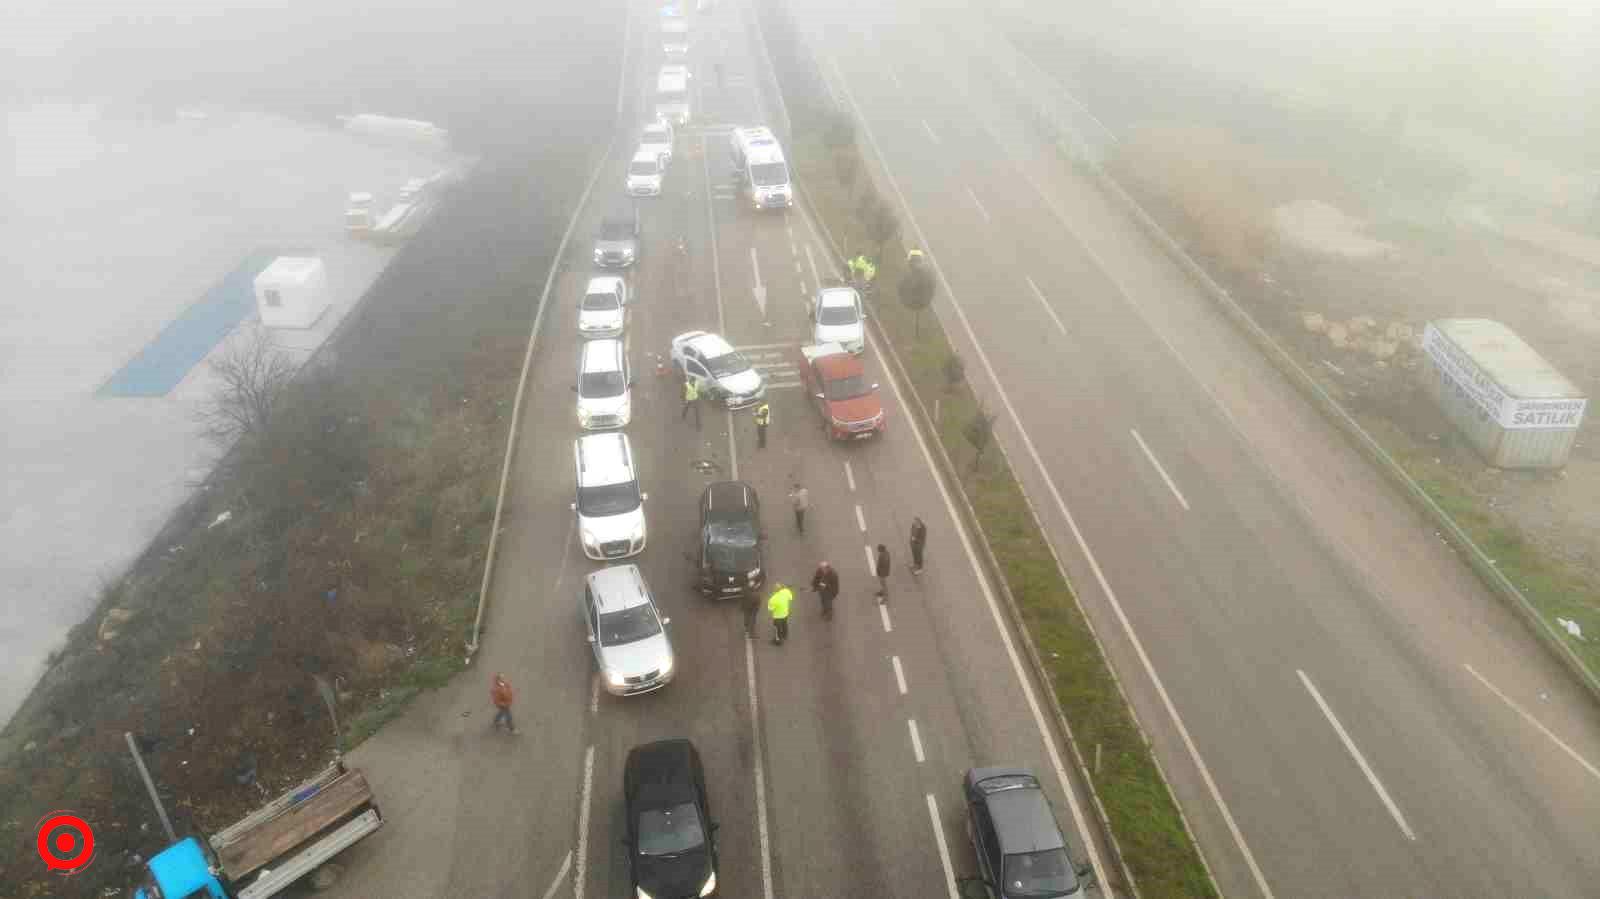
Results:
x,y
644,174
610,505
675,38
605,399
760,165
672,95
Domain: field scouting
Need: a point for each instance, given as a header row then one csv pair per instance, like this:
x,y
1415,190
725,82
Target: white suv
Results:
x,y
610,506
837,317
644,174
604,395
602,312
627,633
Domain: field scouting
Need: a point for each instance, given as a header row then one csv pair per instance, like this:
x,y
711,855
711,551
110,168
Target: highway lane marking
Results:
x,y
979,203
1361,760
1573,753
872,566
716,261
916,740
944,849
1046,304
797,269
850,476
894,78
1077,534
580,879
815,278
861,520
761,773
899,674
883,612
928,128
1164,476
594,694
760,289
566,863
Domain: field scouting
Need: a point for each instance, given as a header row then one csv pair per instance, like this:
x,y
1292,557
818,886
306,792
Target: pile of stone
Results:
x,y
1363,334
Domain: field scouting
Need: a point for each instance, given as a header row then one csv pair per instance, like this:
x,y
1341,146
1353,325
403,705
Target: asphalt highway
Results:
x,y
1342,708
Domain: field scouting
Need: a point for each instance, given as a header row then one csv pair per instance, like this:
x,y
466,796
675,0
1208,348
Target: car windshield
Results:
x,y
670,831
731,547
846,388
727,364
673,98
628,625
1045,873
612,499
600,302
837,315
602,384
642,167
610,230
769,174
655,136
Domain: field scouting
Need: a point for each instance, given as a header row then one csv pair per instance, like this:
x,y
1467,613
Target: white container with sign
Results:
x,y
1512,405
292,292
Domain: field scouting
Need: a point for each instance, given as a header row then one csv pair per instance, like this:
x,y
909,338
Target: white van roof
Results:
x,y
604,459
671,82
644,155
602,355
758,144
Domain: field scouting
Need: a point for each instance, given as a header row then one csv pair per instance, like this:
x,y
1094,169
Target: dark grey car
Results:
x,y
617,244
1021,852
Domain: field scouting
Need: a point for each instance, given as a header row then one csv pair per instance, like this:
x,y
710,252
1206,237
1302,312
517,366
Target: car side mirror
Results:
x,y
574,388
643,497
572,506
666,621
715,825
973,888
591,638
874,387
1086,874
631,381
818,396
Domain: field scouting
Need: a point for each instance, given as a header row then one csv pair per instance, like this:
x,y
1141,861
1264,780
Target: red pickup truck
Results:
x,y
836,382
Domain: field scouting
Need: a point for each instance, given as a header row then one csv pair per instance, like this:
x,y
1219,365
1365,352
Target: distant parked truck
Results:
x,y
358,214
269,849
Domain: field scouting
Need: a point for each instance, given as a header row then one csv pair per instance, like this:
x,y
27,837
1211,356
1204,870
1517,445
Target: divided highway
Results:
x,y
1342,709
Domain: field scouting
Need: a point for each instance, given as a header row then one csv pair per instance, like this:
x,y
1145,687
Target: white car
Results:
x,y
721,372
610,505
626,631
644,174
603,310
658,138
837,317
604,388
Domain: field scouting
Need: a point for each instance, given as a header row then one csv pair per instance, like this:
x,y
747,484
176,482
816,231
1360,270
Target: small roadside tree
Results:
x,y
954,370
916,292
979,432
846,165
252,374
881,224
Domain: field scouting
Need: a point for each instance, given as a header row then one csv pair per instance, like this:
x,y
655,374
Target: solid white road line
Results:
x,y
883,613
594,694
978,203
752,347
928,128
580,879
716,261
861,521
1593,771
1077,534
899,674
1355,753
761,772
1164,476
760,289
566,864
916,740
944,849
850,476
1046,304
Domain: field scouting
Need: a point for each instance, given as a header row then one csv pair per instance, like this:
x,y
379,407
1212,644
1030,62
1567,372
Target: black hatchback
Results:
x,y
1020,848
672,846
731,561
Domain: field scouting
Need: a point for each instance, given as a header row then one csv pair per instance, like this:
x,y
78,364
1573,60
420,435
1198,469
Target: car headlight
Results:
x,y
599,254
589,541
615,679
752,574
628,255
666,667
584,417
641,894
711,885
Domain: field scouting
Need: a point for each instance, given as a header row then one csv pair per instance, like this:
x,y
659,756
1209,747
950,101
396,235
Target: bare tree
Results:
x,y
881,224
252,374
916,292
979,432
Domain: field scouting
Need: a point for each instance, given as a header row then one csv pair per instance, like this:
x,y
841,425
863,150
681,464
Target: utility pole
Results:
x,y
150,786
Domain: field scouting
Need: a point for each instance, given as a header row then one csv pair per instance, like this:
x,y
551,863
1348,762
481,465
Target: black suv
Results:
x,y
1020,848
672,846
730,540
617,244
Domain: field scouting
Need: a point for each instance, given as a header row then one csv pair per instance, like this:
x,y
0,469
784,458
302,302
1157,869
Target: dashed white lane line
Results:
x,y
850,476
1162,471
797,269
899,674
872,567
1049,310
1573,753
861,520
979,203
594,695
1355,753
761,771
580,879
561,875
812,261
916,740
944,849
883,612
929,128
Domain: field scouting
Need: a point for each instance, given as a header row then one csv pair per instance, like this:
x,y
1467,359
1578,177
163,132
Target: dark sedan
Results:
x,y
730,540
672,847
1021,852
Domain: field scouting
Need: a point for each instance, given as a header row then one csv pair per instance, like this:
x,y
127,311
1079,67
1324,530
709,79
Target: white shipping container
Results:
x,y
292,292
1514,407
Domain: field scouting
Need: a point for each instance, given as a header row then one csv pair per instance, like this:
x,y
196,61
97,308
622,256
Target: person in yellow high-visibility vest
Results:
x,y
691,400
763,418
778,605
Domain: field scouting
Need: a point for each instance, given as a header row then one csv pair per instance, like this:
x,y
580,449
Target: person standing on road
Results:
x,y
919,540
763,418
718,67
750,604
880,567
800,499
500,694
691,400
778,605
825,583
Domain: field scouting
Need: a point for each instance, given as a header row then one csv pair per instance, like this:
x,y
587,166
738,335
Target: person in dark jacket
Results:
x,y
880,567
919,539
825,583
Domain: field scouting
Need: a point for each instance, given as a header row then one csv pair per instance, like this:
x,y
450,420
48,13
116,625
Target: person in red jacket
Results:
x,y
500,694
